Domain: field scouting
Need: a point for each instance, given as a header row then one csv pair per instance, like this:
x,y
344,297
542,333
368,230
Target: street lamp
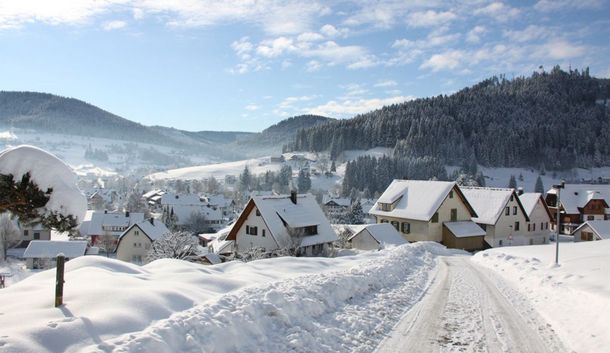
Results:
x,y
558,187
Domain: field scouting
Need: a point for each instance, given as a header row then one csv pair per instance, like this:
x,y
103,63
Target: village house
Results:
x,y
501,215
32,232
539,217
99,223
592,230
418,209
335,206
579,203
376,237
220,202
283,222
135,242
42,254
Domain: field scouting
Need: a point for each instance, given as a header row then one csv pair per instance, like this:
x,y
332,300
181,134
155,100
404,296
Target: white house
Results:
x,y
283,222
500,214
539,217
335,206
419,208
136,241
579,203
32,232
376,236
99,223
42,254
592,230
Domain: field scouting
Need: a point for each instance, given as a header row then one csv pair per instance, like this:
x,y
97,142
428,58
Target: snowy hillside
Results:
x,y
573,297
170,305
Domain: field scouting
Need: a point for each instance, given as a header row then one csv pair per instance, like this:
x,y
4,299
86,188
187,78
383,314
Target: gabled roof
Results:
x,y
173,199
383,233
464,229
340,201
280,215
184,212
574,196
601,228
489,203
52,248
529,200
153,231
417,199
116,219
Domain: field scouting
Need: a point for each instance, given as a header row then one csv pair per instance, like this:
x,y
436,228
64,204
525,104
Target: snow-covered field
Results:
x,y
343,304
220,170
573,297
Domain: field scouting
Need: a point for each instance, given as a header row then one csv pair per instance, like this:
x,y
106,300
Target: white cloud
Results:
x,y
531,32
559,49
137,14
385,13
430,18
354,106
14,14
449,60
252,107
386,83
310,37
553,5
112,25
474,35
313,66
329,31
275,47
499,11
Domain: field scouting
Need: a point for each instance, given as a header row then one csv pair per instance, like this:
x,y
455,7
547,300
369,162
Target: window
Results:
x,y
36,236
531,241
406,227
533,227
529,227
26,233
516,226
453,214
251,230
384,221
258,213
541,225
507,211
435,217
395,224
385,206
137,232
263,233
512,198
547,225
311,230
590,218
514,210
451,194
500,243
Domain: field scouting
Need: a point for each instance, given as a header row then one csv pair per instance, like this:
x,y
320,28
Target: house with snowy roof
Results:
x,y
135,242
99,223
335,206
224,204
539,216
579,203
375,237
500,213
592,231
419,209
283,222
42,254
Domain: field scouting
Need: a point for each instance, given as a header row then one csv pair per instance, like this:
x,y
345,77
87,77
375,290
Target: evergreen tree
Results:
x,y
245,179
539,187
333,167
303,181
512,183
356,213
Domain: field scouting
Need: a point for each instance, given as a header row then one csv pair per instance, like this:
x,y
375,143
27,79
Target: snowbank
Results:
x,y
47,171
573,297
342,304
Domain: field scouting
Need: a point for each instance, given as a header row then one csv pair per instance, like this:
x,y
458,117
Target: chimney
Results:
x,y
520,190
126,213
152,221
293,196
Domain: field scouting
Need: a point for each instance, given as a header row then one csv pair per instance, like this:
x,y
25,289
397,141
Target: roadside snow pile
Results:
x,y
342,304
573,297
47,171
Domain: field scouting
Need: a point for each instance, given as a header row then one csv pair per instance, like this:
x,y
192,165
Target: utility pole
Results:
x,y
558,187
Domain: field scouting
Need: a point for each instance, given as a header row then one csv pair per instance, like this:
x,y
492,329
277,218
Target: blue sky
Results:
x,y
244,65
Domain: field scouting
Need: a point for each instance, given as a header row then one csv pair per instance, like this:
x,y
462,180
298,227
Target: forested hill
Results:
x,y
555,120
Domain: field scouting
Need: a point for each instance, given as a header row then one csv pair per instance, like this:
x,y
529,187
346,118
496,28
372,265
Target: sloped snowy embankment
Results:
x,y
344,304
573,297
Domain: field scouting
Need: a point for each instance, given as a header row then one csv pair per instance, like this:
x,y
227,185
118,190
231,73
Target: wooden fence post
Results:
x,y
59,280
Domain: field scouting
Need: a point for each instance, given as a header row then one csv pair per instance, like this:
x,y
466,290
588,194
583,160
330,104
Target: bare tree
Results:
x,y
197,223
9,234
175,245
107,243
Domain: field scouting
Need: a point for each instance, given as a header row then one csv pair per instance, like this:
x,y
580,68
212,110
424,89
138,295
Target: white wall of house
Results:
x,y
245,241
504,232
593,217
539,226
364,241
428,230
29,234
134,246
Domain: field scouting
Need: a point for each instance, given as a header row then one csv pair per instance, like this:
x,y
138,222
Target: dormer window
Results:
x,y
385,207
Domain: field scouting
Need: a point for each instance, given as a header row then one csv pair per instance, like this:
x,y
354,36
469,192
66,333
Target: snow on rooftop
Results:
x,y
464,229
529,201
488,203
419,199
384,233
600,227
341,201
574,196
101,220
52,248
154,230
47,171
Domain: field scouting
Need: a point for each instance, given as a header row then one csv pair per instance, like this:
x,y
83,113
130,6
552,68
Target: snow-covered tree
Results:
x,y
9,234
342,239
175,245
196,223
107,243
512,183
356,213
304,181
539,187
135,203
245,179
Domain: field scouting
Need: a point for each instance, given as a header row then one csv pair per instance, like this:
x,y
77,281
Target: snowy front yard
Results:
x,y
573,297
345,304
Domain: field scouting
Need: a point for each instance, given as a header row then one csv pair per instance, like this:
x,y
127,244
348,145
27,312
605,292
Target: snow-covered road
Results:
x,y
467,309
